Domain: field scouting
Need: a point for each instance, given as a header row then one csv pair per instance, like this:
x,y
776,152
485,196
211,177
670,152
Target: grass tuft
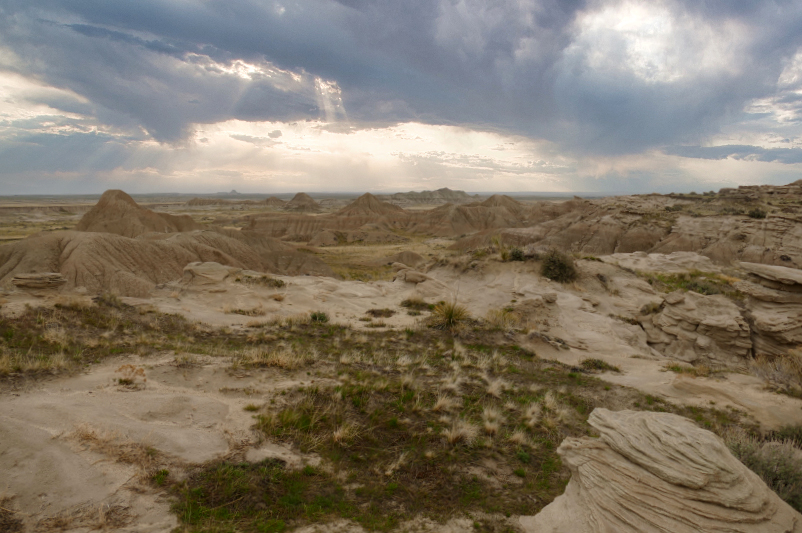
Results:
x,y
449,315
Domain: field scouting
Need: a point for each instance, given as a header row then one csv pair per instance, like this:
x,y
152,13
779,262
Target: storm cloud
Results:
x,y
592,79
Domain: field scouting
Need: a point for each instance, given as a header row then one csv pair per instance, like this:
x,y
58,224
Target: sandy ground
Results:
x,y
192,415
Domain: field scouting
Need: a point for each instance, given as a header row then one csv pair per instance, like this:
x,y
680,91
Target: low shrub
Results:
x,y
319,317
599,365
415,302
777,462
757,213
558,267
380,313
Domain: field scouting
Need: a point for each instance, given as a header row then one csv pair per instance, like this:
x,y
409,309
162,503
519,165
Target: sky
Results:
x,y
603,97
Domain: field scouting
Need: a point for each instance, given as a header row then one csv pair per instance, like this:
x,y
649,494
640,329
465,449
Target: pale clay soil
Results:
x,y
192,415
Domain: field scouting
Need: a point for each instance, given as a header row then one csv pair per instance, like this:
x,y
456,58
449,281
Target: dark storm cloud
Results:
x,y
739,152
507,65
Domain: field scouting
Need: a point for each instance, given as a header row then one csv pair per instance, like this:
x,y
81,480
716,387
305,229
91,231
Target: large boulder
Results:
x,y
658,472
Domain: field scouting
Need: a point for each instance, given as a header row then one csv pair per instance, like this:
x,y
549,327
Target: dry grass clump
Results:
x,y
533,414
502,319
492,420
89,517
344,433
132,377
444,403
259,310
13,363
496,387
519,438
283,357
119,448
416,303
449,315
460,432
695,371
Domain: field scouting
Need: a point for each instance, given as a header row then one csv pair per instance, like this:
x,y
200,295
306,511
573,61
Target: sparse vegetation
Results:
x,y
697,281
265,281
502,319
558,266
398,431
416,303
259,310
757,213
695,371
597,365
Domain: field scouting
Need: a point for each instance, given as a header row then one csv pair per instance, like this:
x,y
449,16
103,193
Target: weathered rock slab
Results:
x,y
39,280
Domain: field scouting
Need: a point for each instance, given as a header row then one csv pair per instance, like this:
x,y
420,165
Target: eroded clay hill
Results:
x,y
118,213
368,213
121,247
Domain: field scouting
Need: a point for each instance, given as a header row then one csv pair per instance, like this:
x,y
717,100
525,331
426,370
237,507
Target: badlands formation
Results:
x,y
406,362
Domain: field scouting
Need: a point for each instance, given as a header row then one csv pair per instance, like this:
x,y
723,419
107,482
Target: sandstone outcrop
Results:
x,y
42,280
774,304
716,226
696,328
658,472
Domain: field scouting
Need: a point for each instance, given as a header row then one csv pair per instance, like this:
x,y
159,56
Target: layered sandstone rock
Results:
x,y
699,329
774,303
43,280
658,472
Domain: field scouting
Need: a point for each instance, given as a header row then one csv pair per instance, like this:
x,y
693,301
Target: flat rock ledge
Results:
x,y
39,280
658,472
